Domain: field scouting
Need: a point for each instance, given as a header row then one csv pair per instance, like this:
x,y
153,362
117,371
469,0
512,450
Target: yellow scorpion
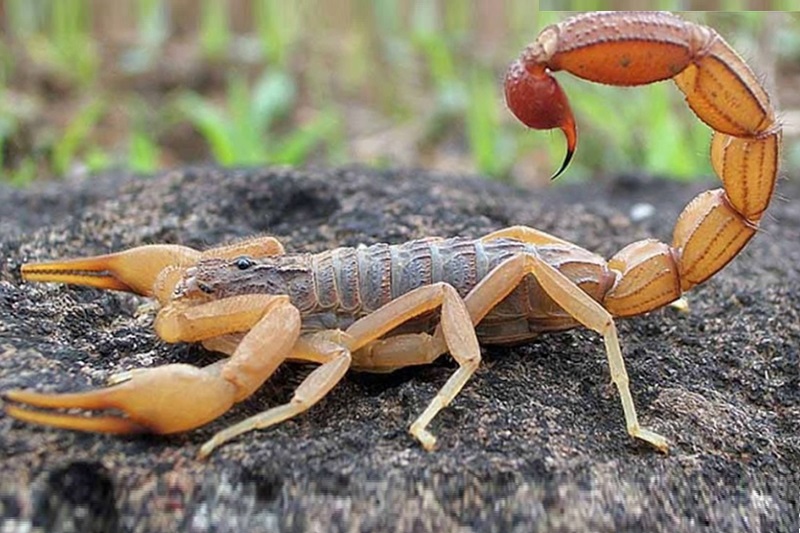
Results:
x,y
384,307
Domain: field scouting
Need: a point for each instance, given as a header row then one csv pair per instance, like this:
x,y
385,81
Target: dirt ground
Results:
x,y
535,442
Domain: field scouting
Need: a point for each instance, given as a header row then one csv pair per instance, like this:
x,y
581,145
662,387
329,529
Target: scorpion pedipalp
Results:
x,y
135,270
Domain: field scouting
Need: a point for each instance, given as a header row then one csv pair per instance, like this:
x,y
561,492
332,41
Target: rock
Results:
x,y
536,440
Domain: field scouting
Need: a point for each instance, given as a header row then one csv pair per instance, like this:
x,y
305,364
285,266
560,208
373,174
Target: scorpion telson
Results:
x,y
372,308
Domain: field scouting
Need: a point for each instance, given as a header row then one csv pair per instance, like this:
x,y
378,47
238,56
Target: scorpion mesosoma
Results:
x,y
384,307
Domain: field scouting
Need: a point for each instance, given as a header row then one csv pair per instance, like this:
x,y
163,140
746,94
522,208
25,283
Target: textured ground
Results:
x,y
534,442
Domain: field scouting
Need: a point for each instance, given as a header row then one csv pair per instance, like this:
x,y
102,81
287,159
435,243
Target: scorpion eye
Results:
x,y
244,262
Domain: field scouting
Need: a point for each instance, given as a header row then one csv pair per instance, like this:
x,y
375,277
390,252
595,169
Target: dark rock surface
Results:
x,y
535,442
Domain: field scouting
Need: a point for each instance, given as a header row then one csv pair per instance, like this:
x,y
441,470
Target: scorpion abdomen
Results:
x,y
353,282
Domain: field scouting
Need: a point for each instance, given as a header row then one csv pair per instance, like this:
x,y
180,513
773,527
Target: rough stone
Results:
x,y
535,442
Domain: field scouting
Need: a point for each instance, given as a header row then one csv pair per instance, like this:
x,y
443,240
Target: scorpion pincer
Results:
x,y
385,307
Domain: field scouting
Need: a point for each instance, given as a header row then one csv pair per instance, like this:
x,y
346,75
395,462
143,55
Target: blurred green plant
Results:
x,y
627,129
282,89
278,25
57,34
492,147
243,132
143,153
215,34
77,136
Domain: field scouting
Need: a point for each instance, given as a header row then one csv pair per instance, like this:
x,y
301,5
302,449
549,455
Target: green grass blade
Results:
x,y
77,133
212,124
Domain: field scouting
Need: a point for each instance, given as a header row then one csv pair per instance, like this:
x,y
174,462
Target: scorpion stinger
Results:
x,y
537,100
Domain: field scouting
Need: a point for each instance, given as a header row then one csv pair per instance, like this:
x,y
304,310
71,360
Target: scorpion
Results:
x,y
382,307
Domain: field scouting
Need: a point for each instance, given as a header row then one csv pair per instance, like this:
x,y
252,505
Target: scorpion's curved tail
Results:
x,y
644,47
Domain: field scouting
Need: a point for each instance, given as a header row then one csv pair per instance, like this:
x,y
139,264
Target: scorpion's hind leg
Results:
x,y
405,350
504,278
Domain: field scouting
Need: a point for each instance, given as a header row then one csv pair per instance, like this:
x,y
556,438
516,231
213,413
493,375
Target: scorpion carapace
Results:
x,y
384,307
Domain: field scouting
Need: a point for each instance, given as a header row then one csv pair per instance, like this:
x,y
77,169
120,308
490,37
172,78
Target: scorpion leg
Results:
x,y
386,355
399,351
405,350
503,279
178,397
318,348
263,246
524,234
455,328
227,344
224,344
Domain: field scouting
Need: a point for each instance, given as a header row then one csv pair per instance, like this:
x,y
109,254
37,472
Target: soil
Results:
x,y
535,442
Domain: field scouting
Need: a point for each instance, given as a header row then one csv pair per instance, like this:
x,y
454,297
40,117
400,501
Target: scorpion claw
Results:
x,y
98,424
166,399
135,270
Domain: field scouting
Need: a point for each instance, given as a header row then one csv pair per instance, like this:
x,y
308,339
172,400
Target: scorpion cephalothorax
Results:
x,y
383,307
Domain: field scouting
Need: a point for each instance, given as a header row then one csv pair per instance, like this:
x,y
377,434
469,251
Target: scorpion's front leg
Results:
x,y
178,397
333,349
327,348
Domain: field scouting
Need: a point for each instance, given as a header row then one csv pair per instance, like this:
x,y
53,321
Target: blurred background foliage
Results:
x,y
142,85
